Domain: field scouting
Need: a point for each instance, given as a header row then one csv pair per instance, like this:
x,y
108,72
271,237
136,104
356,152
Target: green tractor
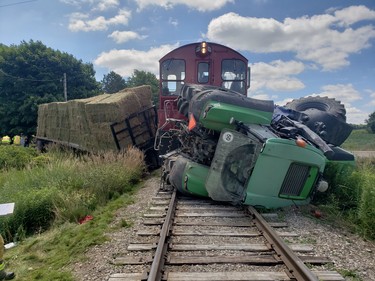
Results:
x,y
236,149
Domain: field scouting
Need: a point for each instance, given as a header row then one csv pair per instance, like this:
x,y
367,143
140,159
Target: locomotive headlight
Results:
x,y
203,49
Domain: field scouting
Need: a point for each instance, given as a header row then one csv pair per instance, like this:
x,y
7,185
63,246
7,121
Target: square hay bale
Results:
x,y
116,107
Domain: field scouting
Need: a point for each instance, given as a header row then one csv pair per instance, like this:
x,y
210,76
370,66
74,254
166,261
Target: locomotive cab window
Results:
x,y
172,75
233,74
203,72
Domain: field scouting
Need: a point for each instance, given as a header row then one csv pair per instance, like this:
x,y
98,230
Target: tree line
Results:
x,y
32,73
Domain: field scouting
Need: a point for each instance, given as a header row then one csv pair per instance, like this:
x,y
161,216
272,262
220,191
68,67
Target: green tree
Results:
x,y
371,122
32,73
112,83
140,77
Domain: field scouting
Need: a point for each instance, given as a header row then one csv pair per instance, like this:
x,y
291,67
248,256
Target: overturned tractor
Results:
x,y
237,149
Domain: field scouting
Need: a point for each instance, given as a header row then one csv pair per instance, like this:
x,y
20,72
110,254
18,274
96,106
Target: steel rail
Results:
x,y
159,257
295,265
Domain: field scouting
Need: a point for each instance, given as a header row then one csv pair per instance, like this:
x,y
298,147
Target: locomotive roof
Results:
x,y
192,46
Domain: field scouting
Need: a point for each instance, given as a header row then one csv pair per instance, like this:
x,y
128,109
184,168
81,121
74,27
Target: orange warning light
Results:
x,y
301,143
192,122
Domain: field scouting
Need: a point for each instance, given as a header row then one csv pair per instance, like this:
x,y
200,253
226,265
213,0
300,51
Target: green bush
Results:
x,y
366,209
65,189
351,196
17,157
344,186
32,214
74,205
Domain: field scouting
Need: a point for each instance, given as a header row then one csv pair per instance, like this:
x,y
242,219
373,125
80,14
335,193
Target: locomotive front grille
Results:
x,y
295,180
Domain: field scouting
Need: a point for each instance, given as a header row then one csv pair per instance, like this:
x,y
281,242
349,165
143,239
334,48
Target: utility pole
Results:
x,y
65,88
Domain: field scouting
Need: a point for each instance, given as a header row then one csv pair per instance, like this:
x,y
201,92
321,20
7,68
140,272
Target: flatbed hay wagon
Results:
x,y
101,123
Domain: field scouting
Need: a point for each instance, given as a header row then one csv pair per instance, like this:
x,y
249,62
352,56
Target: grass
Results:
x,y
51,199
66,188
350,202
349,275
360,140
47,256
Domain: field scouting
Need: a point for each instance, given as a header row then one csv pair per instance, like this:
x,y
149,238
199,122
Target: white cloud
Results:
x,y
80,22
173,22
284,101
125,36
316,38
124,61
100,5
343,92
355,115
371,94
353,14
199,5
276,75
261,96
107,4
73,2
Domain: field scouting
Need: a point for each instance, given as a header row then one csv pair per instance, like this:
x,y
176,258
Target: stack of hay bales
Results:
x,y
85,123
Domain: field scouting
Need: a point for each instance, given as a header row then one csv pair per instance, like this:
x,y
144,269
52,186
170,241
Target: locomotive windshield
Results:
x,y
203,72
172,76
233,73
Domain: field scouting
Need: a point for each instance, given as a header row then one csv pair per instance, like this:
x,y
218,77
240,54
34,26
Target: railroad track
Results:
x,y
195,240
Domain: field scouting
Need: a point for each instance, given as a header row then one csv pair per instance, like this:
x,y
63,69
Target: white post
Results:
x,y
65,88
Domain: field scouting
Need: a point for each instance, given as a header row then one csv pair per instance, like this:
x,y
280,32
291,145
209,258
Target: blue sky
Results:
x,y
295,47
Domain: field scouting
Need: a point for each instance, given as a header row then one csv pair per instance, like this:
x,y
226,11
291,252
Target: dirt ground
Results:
x,y
364,154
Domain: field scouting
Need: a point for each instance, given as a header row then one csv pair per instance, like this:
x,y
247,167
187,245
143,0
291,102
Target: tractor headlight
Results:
x,y
322,186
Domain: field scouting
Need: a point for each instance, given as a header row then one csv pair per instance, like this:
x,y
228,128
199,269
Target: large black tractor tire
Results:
x,y
184,98
186,94
324,104
325,116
